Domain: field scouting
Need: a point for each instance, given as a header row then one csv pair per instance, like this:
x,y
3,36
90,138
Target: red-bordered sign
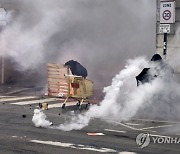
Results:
x,y
166,15
167,12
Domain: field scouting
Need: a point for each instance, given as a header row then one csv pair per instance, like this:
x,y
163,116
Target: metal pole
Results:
x,y
165,45
2,70
3,23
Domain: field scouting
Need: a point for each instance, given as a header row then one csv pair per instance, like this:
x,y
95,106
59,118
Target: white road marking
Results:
x,y
36,101
16,98
125,152
118,131
133,128
54,105
18,137
6,97
74,146
130,127
15,91
60,104
162,121
156,127
133,124
158,135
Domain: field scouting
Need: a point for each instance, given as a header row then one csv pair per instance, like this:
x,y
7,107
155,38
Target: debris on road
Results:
x,y
95,134
43,106
24,116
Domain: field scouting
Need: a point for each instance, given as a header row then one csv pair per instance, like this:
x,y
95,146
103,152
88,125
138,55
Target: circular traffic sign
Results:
x,y
166,15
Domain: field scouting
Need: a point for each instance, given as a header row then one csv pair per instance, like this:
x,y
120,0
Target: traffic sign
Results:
x,y
166,15
164,28
167,12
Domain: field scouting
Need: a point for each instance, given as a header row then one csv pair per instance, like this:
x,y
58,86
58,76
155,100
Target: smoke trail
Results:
x,y
39,119
110,106
124,100
116,98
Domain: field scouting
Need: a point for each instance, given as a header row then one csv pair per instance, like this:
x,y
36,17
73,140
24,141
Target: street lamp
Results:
x,y
3,23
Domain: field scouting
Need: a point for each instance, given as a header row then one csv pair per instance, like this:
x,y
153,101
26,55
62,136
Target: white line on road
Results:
x,y
158,135
16,98
118,131
60,104
133,124
6,97
74,146
15,91
156,127
36,101
54,105
150,120
130,127
125,152
133,128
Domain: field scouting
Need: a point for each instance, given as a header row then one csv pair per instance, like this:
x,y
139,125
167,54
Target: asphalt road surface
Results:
x,y
19,135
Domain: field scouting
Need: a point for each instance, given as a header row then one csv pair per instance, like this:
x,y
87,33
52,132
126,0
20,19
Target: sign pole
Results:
x,y
165,45
3,23
167,17
2,70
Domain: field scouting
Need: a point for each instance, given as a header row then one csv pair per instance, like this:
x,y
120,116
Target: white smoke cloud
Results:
x,y
124,100
39,119
57,30
173,53
25,43
109,107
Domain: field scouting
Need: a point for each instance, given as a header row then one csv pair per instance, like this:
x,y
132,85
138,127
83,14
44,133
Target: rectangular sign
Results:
x,y
164,28
167,12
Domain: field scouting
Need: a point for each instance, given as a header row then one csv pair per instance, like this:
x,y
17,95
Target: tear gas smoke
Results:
x,y
89,31
173,53
124,100
39,119
109,107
